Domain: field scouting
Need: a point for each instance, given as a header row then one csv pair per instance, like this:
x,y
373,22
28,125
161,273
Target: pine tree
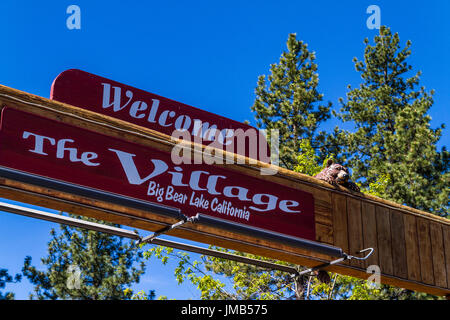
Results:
x,y
303,151
393,138
290,102
84,264
5,278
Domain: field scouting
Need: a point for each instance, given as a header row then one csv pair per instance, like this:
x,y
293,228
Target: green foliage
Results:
x,y
393,138
378,187
288,100
4,279
83,264
141,295
242,281
221,279
307,160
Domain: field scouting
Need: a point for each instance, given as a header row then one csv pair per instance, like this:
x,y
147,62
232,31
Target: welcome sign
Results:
x,y
63,152
114,99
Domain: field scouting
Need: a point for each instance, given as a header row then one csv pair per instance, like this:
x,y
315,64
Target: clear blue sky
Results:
x,y
207,54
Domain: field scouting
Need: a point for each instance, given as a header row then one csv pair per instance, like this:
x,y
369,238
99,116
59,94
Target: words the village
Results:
x,y
261,202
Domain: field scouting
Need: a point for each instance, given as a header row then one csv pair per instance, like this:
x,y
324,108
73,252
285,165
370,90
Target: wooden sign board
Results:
x,y
117,100
412,247
55,150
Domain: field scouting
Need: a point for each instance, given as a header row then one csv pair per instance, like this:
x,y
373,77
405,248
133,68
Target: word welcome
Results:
x,y
188,149
165,118
114,99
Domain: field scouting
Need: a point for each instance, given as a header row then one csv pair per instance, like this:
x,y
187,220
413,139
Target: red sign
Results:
x,y
63,152
98,94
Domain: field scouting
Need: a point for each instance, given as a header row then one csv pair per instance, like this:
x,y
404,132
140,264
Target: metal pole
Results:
x,y
167,211
224,255
150,238
47,216
92,193
33,213
39,214
269,235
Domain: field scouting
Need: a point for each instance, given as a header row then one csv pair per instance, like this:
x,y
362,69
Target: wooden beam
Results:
x,y
425,253
369,224
398,245
412,248
384,240
355,235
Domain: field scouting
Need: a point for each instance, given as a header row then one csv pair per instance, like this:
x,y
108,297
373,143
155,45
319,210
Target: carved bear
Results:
x,y
336,174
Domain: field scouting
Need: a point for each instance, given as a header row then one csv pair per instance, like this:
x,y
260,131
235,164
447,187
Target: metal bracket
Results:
x,y
327,264
150,238
182,246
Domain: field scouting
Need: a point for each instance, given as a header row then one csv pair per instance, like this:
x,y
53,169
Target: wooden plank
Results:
x,y
323,211
324,206
446,234
321,196
412,247
369,227
437,249
355,236
324,214
398,245
340,231
324,233
425,253
384,240
323,219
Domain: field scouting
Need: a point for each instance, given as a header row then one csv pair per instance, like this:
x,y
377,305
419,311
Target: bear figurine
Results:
x,y
337,174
